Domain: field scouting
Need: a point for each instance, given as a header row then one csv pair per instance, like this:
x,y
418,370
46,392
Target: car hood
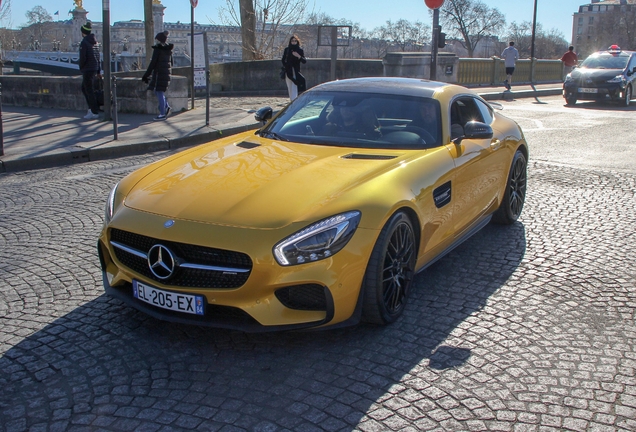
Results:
x,y
257,183
595,74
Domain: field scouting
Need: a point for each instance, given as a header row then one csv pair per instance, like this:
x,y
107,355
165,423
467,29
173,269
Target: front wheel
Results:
x,y
515,195
570,100
628,95
390,272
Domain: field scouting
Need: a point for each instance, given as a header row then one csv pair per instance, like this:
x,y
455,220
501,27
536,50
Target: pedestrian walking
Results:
x,y
89,65
510,56
159,71
569,59
293,56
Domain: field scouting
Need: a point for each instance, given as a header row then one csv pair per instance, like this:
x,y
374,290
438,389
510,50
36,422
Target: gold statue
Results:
x,y
78,4
156,1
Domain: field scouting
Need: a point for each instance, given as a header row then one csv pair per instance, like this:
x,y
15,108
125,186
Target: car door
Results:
x,y
477,173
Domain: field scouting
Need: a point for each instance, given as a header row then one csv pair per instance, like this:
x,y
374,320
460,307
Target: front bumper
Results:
x,y
614,91
273,297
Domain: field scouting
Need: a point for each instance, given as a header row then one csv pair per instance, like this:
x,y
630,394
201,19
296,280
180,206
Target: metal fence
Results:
x,y
486,72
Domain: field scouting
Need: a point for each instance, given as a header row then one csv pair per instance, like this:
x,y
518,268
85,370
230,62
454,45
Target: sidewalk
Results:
x,y
40,138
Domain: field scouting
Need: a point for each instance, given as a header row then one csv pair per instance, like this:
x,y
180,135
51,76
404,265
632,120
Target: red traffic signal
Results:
x,y
434,4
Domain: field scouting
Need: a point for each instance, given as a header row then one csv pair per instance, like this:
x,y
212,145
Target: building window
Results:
x,y
591,21
580,20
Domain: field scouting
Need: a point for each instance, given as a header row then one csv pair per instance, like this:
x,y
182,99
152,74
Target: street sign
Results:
x,y
434,4
194,3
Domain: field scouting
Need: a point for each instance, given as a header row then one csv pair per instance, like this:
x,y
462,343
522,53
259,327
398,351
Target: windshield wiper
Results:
x,y
274,135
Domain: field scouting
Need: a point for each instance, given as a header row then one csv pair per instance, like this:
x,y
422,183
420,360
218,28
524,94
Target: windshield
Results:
x,y
606,61
359,120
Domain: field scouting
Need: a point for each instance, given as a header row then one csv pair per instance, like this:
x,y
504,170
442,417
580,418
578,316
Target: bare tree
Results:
x,y
409,35
616,26
261,23
36,18
550,44
470,21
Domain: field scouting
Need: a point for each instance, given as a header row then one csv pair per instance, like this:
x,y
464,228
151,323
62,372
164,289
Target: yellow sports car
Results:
x,y
323,216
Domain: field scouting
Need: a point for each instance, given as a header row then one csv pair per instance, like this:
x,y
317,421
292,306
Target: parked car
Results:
x,y
604,76
314,220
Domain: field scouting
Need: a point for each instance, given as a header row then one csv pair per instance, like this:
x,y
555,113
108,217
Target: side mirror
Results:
x,y
264,114
477,130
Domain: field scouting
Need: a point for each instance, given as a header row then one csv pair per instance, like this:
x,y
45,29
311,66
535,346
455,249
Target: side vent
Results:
x,y
442,195
368,156
247,145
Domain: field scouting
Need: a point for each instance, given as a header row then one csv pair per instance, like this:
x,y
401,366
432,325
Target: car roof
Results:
x,y
392,85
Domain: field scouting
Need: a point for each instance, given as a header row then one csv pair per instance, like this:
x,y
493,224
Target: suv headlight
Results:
x,y
110,204
317,241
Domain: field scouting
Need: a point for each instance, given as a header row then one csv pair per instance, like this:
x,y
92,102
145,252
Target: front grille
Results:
x,y
192,254
303,297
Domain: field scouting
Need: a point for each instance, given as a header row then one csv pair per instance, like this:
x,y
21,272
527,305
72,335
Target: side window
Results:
x,y
486,111
632,63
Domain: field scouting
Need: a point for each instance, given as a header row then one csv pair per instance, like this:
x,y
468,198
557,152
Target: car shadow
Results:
x,y
105,363
602,106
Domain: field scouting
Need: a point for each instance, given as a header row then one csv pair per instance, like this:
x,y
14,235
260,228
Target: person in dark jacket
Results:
x,y
293,56
89,65
160,68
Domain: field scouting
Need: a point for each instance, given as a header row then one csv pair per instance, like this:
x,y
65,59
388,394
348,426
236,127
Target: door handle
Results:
x,y
495,144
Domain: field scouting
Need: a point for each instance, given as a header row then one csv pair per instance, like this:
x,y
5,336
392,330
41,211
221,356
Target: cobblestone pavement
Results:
x,y
523,328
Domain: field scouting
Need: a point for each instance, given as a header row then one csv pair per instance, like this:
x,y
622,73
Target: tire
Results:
x,y
570,100
390,272
515,195
628,95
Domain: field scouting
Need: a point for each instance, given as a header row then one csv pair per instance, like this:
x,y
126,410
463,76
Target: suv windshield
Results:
x,y
606,61
359,120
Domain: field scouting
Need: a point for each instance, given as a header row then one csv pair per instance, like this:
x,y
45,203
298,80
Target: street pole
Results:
x,y
192,51
434,48
534,30
106,58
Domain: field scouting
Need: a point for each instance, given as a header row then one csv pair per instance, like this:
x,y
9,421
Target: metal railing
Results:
x,y
491,71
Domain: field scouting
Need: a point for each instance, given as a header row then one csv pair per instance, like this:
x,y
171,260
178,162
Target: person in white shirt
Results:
x,y
510,56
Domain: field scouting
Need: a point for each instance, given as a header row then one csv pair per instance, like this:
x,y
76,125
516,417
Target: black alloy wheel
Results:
x,y
515,194
390,271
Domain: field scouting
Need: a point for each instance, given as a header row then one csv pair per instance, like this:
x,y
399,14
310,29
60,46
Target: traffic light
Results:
x,y
441,38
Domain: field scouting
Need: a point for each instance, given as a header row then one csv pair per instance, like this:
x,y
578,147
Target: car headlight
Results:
x,y
110,204
317,241
568,78
616,79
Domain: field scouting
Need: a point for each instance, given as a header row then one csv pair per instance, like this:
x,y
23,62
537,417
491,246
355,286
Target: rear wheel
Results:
x,y
390,272
515,194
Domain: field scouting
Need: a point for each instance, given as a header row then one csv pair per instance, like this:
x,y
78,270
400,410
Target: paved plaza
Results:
x,y
528,327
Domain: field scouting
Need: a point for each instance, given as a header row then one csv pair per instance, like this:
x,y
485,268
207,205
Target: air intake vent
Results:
x,y
247,145
368,156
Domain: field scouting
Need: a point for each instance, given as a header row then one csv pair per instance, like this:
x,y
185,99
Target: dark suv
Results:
x,y
603,76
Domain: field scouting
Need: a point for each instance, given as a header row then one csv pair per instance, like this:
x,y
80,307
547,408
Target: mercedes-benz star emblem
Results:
x,y
161,261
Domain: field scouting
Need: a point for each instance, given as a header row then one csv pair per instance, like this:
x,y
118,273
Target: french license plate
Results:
x,y
187,303
588,90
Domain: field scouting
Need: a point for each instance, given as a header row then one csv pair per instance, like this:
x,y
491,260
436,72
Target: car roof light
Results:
x,y
615,48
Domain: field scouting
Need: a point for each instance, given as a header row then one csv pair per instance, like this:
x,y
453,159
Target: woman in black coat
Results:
x,y
292,58
160,68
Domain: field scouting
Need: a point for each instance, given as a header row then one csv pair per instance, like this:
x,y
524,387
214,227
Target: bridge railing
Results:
x,y
491,71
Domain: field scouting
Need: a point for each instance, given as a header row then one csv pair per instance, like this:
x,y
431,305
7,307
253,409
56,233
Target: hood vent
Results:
x,y
247,145
368,156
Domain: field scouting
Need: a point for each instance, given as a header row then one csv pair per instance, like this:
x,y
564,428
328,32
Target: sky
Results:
x,y
552,14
